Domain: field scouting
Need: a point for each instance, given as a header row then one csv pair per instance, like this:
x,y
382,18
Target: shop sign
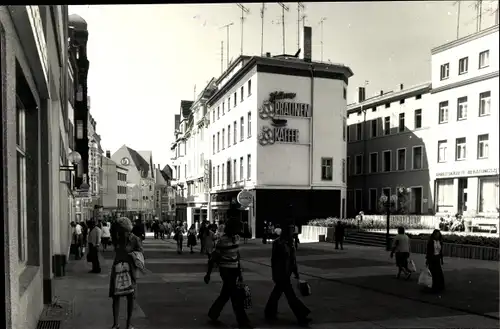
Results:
x,y
470,172
207,174
39,35
245,198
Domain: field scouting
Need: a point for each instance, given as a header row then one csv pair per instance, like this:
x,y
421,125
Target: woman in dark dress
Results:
x,y
126,243
434,260
191,237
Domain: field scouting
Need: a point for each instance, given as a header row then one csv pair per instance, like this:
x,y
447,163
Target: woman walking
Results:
x,y
123,272
434,260
179,236
191,237
227,255
401,247
208,240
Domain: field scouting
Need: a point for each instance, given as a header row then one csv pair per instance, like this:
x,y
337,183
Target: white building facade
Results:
x,y
465,158
114,186
273,133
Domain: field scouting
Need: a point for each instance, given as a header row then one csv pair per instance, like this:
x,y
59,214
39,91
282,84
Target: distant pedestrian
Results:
x,y
339,235
179,236
191,236
106,235
283,265
434,260
94,241
296,237
401,247
138,229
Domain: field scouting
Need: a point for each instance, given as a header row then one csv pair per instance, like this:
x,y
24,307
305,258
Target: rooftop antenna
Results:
x,y
303,19
221,57
283,8
194,93
458,17
262,28
322,20
227,26
300,7
244,11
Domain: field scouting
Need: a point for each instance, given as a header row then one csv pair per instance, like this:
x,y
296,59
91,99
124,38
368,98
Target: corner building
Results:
x,y
277,129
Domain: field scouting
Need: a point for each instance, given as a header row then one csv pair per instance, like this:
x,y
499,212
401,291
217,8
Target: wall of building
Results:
x,y
110,183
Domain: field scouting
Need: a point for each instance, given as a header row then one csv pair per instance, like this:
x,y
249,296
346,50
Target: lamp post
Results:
x,y
388,203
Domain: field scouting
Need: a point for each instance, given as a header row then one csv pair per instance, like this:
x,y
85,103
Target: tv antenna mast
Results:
x,y
300,7
262,10
227,27
283,9
458,17
244,11
322,20
221,57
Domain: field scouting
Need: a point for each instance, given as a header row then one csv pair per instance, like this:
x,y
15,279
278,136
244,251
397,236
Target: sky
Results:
x,y
145,59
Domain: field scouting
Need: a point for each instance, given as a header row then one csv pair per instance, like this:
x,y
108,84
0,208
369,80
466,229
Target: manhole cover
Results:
x,y
49,325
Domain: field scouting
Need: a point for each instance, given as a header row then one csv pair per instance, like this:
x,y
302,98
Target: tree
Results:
x,y
403,194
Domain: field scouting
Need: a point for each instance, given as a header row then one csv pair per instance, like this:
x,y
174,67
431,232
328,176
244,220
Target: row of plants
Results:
x,y
369,224
471,240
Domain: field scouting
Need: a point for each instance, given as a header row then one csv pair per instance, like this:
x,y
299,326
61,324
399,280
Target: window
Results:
x,y
345,93
343,171
488,194
374,109
213,115
22,208
401,122
358,164
242,93
218,111
358,200
229,136
235,99
372,200
235,128
348,166
218,142
242,129
374,128
443,112
386,161
484,103
326,168
234,171
373,162
223,138
402,101
359,131
249,124
249,166
483,146
242,175
442,150
418,119
228,173
218,175
344,128
387,105
348,132
213,144
462,108
229,103
460,151
463,65
444,191
386,191
401,164
417,157
418,97
223,172
79,129
249,87
484,59
445,71
387,125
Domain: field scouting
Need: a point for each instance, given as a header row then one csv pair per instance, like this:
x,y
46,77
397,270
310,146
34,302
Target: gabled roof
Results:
x,y
186,108
141,164
166,172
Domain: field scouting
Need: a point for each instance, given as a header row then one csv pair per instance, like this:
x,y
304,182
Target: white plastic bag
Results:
x,y
425,278
412,266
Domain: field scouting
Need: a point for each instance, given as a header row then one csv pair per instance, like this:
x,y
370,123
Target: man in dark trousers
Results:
x,y
283,264
339,235
138,229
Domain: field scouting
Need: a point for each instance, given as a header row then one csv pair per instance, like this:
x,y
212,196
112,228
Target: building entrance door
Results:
x,y
416,200
462,195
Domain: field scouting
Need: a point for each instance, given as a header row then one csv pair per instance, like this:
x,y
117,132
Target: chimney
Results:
x,y
108,154
268,54
381,93
401,87
361,94
306,53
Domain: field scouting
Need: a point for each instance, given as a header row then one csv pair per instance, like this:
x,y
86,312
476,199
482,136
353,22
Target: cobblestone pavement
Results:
x,y
353,288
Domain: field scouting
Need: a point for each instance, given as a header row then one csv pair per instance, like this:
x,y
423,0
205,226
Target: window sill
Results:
x,y
445,78
483,158
484,115
26,278
443,161
326,179
463,73
442,122
483,67
461,119
461,159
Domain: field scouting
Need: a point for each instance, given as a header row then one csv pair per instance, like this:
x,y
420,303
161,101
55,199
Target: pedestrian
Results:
x,y
283,264
201,234
401,247
339,235
227,256
296,237
209,238
161,230
246,232
106,235
138,229
124,264
94,241
179,236
156,229
265,228
434,260
85,232
191,236
76,244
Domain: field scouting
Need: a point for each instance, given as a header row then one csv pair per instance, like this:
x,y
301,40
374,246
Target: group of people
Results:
x,y
455,224
434,257
272,232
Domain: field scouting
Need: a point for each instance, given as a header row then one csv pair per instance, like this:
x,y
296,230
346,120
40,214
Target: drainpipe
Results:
x,y
366,160
311,127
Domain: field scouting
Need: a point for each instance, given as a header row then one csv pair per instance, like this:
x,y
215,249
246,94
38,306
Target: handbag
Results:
x,y
123,280
412,266
304,288
425,278
245,294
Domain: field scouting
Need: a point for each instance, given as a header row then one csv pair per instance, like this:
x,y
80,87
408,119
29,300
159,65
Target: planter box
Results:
x,y
458,250
312,233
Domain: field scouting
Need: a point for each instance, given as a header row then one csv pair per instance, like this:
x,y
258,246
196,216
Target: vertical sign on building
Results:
x,y
307,43
207,175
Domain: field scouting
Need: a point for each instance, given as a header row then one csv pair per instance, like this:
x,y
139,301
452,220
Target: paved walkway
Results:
x,y
353,288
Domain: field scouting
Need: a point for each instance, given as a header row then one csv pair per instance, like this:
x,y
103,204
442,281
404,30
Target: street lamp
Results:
x,y
388,203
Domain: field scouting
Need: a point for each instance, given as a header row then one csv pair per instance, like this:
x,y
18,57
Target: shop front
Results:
x,y
220,204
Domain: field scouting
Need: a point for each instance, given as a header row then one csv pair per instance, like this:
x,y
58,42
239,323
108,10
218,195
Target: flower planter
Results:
x,y
458,250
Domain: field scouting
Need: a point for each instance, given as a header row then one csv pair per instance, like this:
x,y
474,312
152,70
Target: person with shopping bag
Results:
x,y
401,247
227,256
283,264
434,260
